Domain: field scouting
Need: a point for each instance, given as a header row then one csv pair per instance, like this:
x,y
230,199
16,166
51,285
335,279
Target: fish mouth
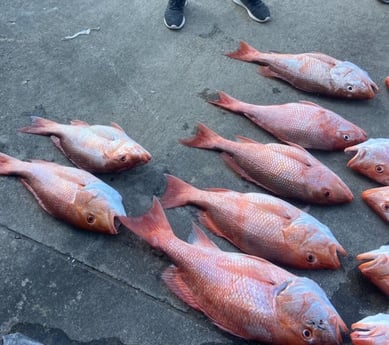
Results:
x,y
115,224
363,333
360,154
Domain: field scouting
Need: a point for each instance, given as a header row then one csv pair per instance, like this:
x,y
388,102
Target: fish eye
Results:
x,y
123,158
327,194
310,258
385,207
346,137
379,169
307,333
90,219
350,88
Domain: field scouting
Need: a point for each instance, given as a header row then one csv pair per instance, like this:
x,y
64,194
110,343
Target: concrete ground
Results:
x,y
61,285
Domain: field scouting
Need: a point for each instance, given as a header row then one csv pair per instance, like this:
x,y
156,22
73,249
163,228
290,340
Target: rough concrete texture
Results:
x,y
61,285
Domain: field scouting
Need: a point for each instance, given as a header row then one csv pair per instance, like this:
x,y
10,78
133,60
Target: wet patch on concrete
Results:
x,y
55,336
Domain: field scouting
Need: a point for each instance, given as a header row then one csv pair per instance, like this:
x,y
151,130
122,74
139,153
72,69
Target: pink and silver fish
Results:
x,y
312,72
305,123
287,171
260,224
95,148
244,295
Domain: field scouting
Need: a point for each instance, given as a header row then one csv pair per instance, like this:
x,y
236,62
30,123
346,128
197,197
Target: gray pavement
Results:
x,y
61,285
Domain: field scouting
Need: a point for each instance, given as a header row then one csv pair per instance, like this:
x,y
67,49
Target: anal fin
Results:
x,y
173,279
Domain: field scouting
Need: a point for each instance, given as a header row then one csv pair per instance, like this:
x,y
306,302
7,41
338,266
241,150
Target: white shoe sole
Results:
x,y
238,2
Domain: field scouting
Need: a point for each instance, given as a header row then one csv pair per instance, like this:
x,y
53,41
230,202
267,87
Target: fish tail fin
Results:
x,y
205,138
177,193
8,164
153,227
227,102
245,53
40,126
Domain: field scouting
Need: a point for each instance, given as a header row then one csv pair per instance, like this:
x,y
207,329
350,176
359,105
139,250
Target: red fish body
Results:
x,y
372,330
378,200
98,149
371,159
260,225
243,295
312,72
306,124
70,194
387,82
376,267
287,171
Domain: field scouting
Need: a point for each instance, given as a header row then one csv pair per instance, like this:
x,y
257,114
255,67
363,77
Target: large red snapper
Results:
x,y
305,123
287,171
371,159
372,330
243,295
378,200
376,267
260,225
70,194
96,148
312,72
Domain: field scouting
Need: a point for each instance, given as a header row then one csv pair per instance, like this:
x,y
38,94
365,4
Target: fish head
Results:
x,y
372,330
311,244
306,315
326,187
351,81
347,135
127,155
371,159
378,200
376,267
97,207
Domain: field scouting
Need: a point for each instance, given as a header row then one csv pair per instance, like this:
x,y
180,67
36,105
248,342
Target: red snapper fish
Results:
x,y
96,148
260,225
372,330
378,200
287,171
371,159
70,194
376,267
244,295
311,72
305,123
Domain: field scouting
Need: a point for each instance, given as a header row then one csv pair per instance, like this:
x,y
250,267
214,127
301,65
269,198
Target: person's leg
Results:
x,y
174,14
256,9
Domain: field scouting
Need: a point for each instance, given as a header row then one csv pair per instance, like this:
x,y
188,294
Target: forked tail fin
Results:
x,y
227,102
153,226
8,164
177,193
40,126
205,138
245,53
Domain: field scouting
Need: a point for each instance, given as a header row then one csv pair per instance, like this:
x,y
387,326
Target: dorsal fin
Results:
x,y
115,125
246,140
79,123
199,238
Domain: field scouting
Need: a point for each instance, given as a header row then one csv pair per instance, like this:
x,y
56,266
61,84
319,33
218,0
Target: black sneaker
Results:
x,y
256,9
385,1
174,14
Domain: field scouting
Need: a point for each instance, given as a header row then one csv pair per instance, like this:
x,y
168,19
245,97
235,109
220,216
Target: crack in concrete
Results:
x,y
93,270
